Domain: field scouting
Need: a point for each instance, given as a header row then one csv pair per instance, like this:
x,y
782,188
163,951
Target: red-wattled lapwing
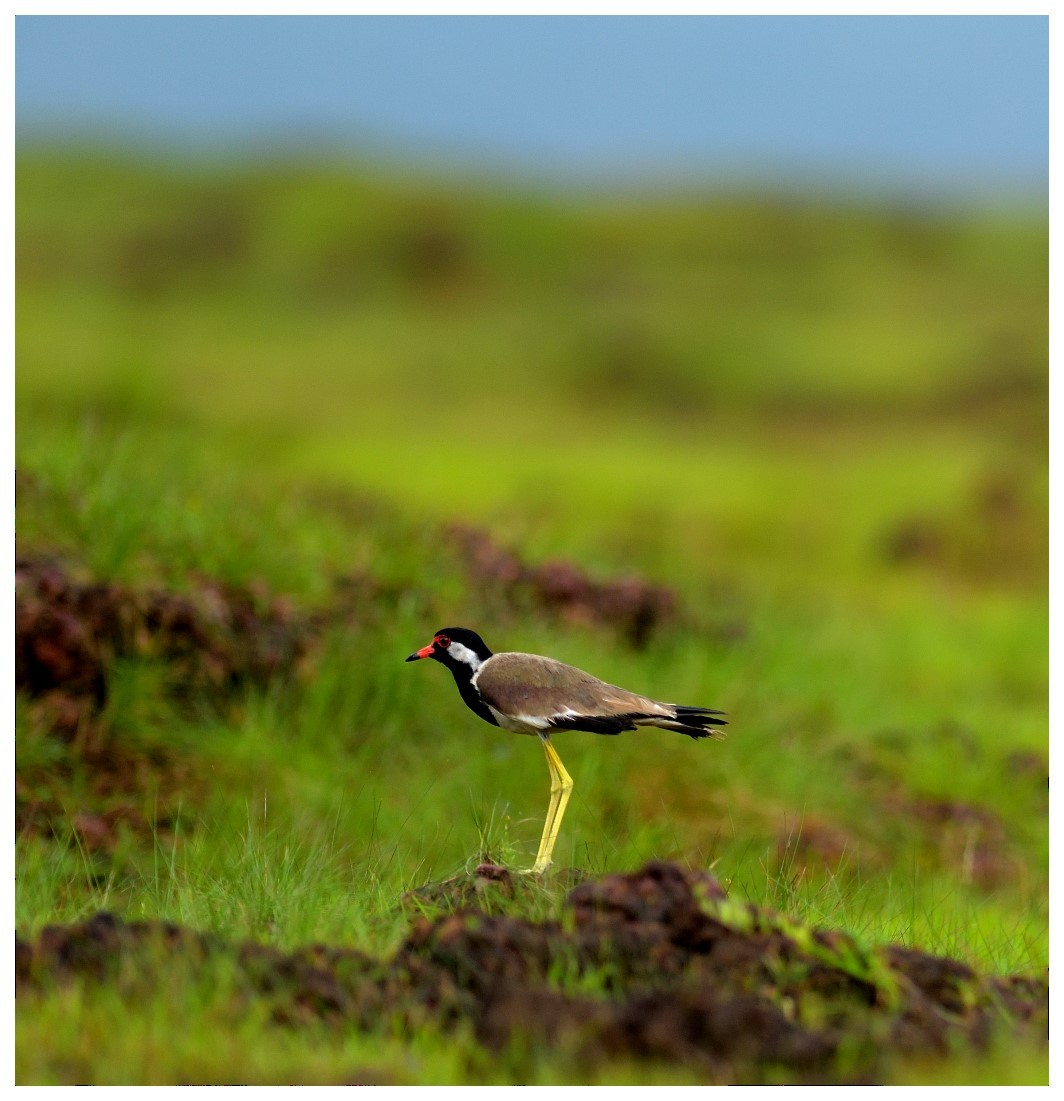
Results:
x,y
529,694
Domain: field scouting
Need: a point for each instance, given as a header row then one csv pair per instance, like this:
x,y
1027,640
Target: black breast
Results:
x,y
463,677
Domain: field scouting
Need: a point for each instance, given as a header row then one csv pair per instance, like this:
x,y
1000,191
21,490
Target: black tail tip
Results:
x,y
700,716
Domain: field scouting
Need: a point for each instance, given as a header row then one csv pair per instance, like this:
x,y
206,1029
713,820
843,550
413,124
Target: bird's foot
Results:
x,y
536,869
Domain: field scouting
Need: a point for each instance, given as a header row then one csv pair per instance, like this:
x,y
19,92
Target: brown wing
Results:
x,y
535,687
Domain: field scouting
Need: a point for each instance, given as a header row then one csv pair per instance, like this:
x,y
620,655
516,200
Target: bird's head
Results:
x,y
455,647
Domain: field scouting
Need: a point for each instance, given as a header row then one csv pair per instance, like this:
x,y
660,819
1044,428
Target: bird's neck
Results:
x,y
463,677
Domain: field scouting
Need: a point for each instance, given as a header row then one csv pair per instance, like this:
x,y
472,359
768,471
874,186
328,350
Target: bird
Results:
x,y
530,694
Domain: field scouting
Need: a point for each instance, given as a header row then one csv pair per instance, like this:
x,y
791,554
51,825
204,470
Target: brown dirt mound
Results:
x,y
998,536
215,636
490,887
632,606
70,631
668,970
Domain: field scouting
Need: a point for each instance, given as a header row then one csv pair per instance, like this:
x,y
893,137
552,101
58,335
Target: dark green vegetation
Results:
x,y
276,425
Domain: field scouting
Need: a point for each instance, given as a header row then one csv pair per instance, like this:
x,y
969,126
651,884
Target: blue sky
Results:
x,y
954,104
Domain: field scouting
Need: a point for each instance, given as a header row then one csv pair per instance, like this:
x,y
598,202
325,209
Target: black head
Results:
x,y
455,646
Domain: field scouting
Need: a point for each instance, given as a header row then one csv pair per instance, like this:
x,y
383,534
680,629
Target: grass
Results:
x,y
285,377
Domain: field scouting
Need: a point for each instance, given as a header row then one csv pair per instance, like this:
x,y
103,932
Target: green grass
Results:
x,y
255,374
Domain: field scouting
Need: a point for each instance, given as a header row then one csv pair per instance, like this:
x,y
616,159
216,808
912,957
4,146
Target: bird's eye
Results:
x,y
443,641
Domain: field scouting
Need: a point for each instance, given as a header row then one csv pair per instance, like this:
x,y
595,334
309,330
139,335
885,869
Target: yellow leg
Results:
x,y
561,785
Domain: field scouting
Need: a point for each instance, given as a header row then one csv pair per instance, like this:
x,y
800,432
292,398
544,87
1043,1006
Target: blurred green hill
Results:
x,y
658,307
734,356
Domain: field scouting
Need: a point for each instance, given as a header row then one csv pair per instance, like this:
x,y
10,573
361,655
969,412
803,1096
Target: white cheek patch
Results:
x,y
463,654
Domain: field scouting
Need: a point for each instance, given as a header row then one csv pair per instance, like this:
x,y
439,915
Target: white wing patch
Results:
x,y
520,724
533,724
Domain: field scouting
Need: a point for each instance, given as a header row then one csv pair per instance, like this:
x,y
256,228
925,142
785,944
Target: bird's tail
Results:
x,y
695,722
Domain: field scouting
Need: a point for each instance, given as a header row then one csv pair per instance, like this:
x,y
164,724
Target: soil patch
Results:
x,y
970,839
215,636
69,633
656,965
998,536
632,606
